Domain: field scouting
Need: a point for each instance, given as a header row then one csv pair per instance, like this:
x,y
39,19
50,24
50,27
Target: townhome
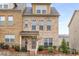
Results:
x,y
74,31
29,27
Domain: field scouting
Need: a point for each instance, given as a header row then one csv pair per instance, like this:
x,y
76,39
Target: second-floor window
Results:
x,y
41,27
38,11
2,20
33,25
48,27
10,20
43,11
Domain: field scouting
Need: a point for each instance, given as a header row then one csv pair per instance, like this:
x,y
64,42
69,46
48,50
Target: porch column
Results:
x,y
20,43
37,41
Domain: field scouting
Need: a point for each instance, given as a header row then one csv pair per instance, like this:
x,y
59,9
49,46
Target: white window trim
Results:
x,y
9,37
47,40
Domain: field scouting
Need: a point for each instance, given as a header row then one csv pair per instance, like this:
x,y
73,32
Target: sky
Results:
x,y
66,11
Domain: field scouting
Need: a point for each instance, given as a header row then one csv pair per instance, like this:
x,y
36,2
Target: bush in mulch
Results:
x,y
40,48
23,49
1,45
4,46
17,48
50,49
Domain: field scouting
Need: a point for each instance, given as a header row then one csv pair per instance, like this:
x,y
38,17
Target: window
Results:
x,y
2,19
10,20
26,25
9,38
43,11
0,6
33,27
41,27
33,24
47,42
48,27
49,23
33,43
38,11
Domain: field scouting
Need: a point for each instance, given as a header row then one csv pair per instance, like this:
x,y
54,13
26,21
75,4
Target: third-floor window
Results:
x,y
10,20
2,20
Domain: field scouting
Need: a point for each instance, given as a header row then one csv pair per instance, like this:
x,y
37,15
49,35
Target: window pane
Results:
x,y
48,27
5,5
50,41
26,25
44,11
45,42
33,27
2,19
38,11
0,6
6,40
33,22
41,27
33,43
9,38
10,20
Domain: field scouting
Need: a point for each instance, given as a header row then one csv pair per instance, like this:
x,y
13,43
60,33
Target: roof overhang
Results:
x,y
29,33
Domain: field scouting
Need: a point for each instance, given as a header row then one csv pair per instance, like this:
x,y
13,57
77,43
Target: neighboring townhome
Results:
x,y
29,27
74,31
10,24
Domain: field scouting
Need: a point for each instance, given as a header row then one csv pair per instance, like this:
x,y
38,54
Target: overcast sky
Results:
x,y
66,11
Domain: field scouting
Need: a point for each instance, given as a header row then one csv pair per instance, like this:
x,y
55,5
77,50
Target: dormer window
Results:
x,y
41,9
3,6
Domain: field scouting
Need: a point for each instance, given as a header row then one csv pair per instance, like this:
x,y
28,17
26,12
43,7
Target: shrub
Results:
x,y
13,46
1,45
17,48
50,49
40,48
64,46
24,49
5,46
54,47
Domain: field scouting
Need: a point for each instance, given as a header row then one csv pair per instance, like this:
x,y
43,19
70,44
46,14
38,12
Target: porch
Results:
x,y
29,40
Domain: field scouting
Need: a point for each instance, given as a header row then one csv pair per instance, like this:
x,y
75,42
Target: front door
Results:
x,y
25,43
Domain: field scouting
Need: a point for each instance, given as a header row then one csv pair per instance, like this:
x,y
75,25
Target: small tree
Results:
x,y
64,46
